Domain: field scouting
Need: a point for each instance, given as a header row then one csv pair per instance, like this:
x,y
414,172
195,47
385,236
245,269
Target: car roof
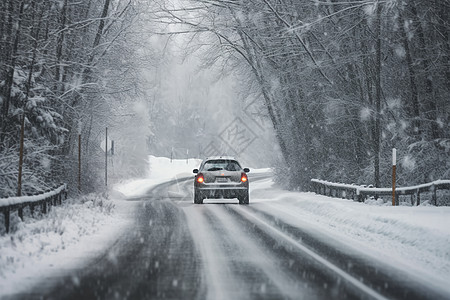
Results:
x,y
220,157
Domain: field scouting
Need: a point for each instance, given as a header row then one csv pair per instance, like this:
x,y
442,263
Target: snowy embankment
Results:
x,y
415,239
69,236
40,246
162,169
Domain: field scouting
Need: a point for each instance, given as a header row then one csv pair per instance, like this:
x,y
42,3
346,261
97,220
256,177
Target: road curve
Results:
x,y
179,250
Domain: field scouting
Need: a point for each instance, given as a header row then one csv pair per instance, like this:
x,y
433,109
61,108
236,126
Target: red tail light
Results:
x,y
200,178
244,177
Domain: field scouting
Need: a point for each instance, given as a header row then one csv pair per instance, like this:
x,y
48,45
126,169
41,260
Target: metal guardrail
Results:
x,y
43,199
359,193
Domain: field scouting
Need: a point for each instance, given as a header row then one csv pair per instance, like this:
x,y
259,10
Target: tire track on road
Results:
x,y
351,286
262,270
217,279
385,279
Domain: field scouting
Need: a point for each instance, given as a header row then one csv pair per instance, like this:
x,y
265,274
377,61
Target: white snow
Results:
x,y
400,51
67,238
35,198
415,239
162,169
408,162
370,9
365,114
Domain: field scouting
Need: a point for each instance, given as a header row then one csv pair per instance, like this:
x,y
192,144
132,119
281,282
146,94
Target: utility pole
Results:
x,y
377,140
106,158
22,133
79,163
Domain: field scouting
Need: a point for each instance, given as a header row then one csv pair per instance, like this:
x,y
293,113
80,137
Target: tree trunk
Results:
x,y
59,48
35,47
429,103
100,28
377,141
11,69
413,106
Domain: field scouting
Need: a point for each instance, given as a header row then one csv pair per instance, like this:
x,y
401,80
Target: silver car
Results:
x,y
221,177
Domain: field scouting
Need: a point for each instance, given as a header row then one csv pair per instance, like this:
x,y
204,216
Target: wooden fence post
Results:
x,y
19,179
20,212
394,166
433,194
6,213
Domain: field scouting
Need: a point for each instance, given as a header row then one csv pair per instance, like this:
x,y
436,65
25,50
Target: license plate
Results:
x,y
221,179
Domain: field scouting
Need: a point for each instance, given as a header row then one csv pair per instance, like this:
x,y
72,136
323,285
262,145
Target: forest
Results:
x,y
67,70
342,82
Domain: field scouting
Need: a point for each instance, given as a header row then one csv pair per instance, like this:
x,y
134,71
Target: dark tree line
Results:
x,y
65,66
342,82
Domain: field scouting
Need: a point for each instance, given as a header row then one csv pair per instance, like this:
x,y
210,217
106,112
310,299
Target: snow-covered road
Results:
x,y
222,250
284,245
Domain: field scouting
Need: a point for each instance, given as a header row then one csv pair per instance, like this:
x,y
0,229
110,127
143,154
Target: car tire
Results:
x,y
197,198
244,199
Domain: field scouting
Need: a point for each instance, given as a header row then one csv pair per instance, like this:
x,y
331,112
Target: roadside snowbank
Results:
x,y
415,239
161,170
37,247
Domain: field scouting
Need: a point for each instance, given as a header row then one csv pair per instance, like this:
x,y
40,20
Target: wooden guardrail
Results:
x,y
43,199
359,193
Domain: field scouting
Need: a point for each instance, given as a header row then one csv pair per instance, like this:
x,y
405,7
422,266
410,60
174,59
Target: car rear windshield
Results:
x,y
221,164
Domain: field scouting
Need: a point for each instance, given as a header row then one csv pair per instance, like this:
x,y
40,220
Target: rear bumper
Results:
x,y
218,191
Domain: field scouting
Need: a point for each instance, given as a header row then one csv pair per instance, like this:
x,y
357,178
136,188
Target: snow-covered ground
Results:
x,y
162,169
64,239
76,232
415,239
